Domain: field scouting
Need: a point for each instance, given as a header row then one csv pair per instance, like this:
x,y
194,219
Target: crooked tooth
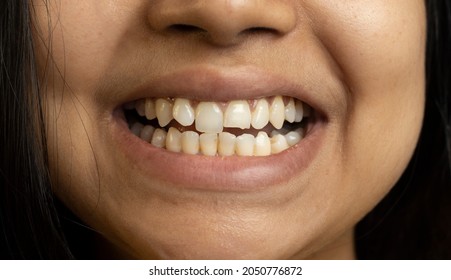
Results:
x,y
150,109
238,115
174,140
277,112
226,146
262,144
293,137
164,111
182,112
209,117
290,111
136,128
147,133
190,142
140,107
278,144
245,145
208,143
299,107
159,138
260,116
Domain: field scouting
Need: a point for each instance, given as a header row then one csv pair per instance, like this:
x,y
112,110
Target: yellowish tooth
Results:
x,y
136,128
245,145
277,112
208,143
299,111
260,116
159,138
262,144
293,137
163,108
182,112
150,109
147,133
290,111
190,142
209,118
174,140
278,144
238,115
140,106
226,146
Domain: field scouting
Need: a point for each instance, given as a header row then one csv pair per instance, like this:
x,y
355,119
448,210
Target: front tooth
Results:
x,y
293,137
150,109
174,140
136,128
245,145
278,144
190,142
159,138
147,133
209,117
238,114
226,146
209,143
277,112
260,116
262,144
183,112
163,111
299,111
290,111
140,107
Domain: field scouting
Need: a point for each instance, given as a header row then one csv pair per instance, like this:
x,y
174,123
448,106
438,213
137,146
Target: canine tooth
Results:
x,y
290,111
260,116
140,107
277,112
299,111
262,144
190,142
159,138
136,128
183,112
149,107
209,117
208,143
238,114
292,137
147,133
174,140
163,108
245,145
278,144
226,146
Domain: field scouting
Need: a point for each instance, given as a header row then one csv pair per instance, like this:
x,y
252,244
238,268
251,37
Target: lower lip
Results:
x,y
233,173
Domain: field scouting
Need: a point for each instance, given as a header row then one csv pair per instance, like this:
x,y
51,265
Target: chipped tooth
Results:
x,y
136,128
163,111
245,145
208,143
262,144
182,112
278,144
238,115
190,142
226,146
277,112
159,138
140,107
150,109
293,137
147,133
209,117
290,111
299,111
174,140
129,105
260,116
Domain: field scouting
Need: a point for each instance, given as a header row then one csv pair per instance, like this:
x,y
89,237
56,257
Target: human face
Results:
x,y
357,66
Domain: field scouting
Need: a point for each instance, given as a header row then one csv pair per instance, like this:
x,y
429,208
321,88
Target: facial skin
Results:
x,y
361,62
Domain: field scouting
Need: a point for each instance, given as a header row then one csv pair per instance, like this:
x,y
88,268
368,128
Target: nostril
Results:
x,y
259,30
186,28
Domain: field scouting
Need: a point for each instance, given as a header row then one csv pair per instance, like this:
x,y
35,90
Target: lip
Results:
x,y
233,173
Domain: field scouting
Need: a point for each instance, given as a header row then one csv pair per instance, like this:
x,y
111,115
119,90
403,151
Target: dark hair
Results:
x,y
412,222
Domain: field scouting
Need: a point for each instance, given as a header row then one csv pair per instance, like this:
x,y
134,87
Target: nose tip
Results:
x,y
223,21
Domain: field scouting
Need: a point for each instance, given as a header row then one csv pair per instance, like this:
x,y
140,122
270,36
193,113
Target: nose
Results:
x,y
222,22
